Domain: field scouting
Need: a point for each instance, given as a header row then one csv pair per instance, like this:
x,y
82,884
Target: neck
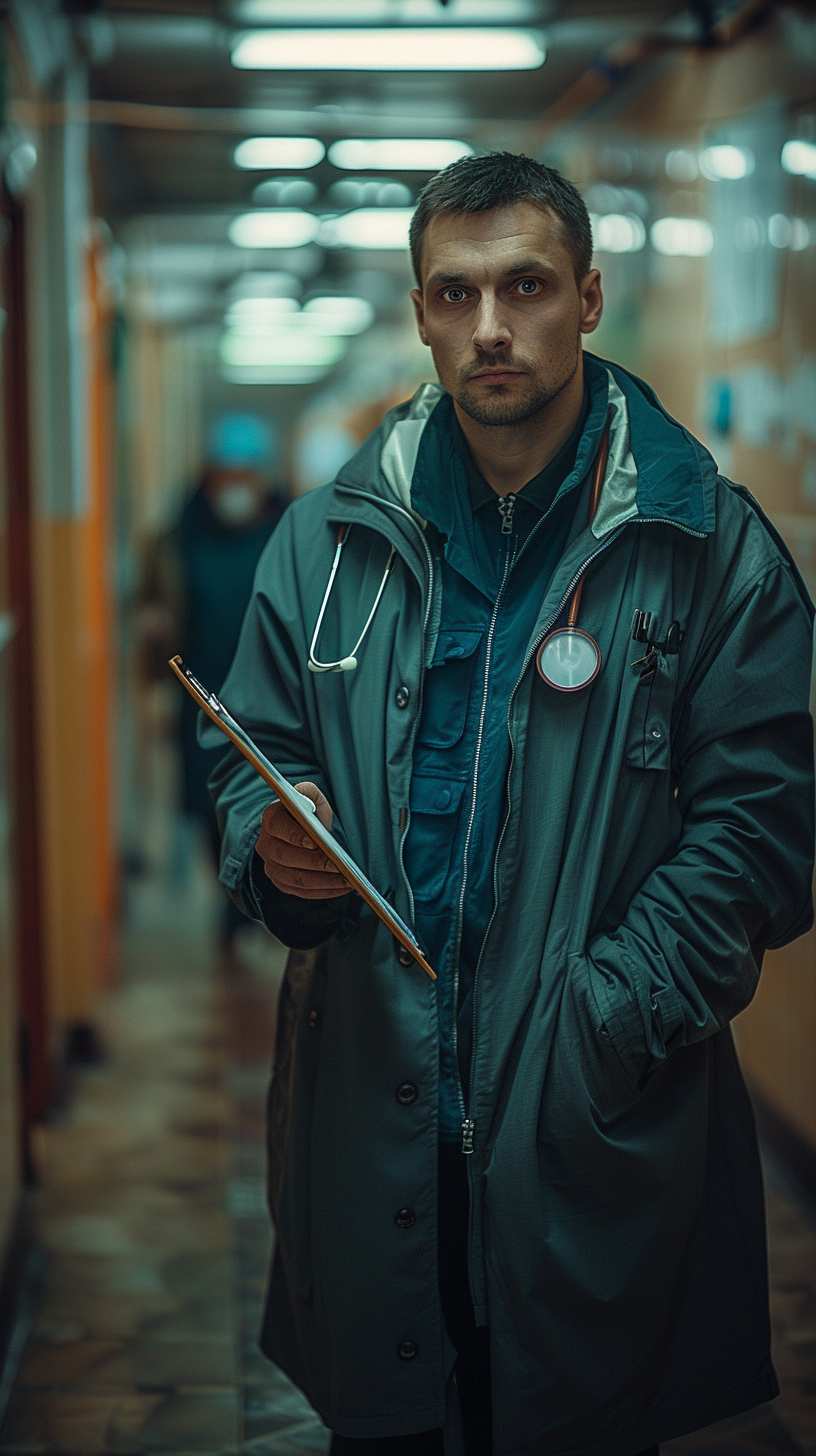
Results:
x,y
510,455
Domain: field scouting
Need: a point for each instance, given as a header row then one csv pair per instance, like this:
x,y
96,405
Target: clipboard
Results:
x,y
301,809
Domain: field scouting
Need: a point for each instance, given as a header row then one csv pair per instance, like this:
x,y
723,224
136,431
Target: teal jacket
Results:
x,y
658,838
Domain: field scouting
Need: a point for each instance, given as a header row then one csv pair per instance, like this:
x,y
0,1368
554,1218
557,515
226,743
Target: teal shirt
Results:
x,y
496,557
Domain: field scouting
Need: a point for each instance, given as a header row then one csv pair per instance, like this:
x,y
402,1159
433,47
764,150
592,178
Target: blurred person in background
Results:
x,y
533,1184
198,582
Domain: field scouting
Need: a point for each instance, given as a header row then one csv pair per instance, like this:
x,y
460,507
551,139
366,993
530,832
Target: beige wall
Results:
x,y
666,335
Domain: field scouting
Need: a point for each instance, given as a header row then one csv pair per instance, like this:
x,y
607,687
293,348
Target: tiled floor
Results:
x,y
155,1235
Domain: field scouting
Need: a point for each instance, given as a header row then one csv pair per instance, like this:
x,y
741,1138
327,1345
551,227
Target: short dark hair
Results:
x,y
498,179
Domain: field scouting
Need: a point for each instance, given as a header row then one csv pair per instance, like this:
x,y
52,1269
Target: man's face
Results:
x,y
501,310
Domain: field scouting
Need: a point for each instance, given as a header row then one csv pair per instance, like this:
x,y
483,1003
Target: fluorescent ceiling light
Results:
x,y
313,351
396,48
682,237
267,152
255,284
370,12
343,315
799,235
328,317
284,228
681,165
799,158
263,307
386,154
617,232
274,373
284,192
368,227
726,163
366,192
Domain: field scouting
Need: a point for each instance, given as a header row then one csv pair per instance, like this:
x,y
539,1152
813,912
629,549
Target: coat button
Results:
x,y
314,1017
442,800
407,1093
407,1349
404,956
402,697
405,1218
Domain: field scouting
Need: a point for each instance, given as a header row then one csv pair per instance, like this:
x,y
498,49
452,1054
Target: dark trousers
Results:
x,y
471,1344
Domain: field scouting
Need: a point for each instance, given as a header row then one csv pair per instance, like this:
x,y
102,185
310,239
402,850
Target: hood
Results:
x,y
657,469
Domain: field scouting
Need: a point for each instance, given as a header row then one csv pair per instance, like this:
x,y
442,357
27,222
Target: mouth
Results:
x,y
497,376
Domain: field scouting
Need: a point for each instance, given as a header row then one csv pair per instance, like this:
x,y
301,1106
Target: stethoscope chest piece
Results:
x,y
569,659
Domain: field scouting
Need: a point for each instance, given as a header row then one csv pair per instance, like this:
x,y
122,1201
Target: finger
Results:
x,y
294,856
299,850
279,824
323,808
319,894
293,880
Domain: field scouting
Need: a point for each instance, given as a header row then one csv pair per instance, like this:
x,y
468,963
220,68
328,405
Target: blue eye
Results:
x,y
528,286
449,295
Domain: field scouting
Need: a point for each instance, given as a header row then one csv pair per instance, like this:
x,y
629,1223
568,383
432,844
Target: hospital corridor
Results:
x,y
206,312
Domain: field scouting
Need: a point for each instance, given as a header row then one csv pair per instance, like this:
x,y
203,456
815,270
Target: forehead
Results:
x,y
489,243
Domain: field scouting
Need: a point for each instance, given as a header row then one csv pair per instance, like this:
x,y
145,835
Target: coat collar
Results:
x,y
657,470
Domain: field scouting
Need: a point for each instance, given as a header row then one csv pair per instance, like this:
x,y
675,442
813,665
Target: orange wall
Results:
x,y
72,563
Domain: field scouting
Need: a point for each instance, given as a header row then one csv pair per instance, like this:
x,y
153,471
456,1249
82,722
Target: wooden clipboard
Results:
x,y
301,809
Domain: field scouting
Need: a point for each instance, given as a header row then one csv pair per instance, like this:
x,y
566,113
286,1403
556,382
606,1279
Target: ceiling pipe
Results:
x,y
615,66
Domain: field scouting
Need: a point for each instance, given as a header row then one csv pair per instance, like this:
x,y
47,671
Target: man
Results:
x,y
197,583
536,1178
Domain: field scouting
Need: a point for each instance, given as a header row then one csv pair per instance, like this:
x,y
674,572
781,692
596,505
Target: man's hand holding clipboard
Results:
x,y
311,814
292,859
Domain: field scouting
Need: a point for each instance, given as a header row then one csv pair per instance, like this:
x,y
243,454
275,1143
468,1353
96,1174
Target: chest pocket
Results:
x,y
434,805
448,686
648,743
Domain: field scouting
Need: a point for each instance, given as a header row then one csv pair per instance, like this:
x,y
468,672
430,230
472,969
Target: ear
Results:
x,y
419,310
591,301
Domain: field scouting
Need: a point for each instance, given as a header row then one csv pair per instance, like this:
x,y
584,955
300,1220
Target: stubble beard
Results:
x,y
500,408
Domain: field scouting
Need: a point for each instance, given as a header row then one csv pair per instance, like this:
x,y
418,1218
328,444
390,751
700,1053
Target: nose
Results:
x,y
491,330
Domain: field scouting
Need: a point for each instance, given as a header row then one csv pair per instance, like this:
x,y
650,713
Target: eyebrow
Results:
x,y
528,265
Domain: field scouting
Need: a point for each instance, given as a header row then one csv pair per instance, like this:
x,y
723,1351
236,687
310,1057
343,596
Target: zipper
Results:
x,y
506,507
468,1125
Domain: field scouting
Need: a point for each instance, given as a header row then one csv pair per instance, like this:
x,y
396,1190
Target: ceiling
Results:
x,y
170,107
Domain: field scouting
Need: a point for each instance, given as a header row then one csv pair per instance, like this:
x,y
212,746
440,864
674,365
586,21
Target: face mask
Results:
x,y
236,504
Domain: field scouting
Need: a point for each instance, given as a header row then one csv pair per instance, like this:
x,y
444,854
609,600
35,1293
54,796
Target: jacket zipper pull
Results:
x,y
468,1129
506,506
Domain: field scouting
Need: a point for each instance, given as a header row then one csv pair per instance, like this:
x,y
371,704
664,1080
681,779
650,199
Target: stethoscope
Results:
x,y
344,664
568,658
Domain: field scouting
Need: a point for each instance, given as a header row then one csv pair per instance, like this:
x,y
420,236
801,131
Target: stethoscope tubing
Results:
x,y
572,629
349,663
344,664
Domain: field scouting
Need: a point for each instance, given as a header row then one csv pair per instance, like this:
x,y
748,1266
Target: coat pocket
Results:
x,y
587,1089
648,742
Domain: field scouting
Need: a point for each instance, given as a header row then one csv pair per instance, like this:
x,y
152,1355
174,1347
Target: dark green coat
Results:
x,y
659,837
